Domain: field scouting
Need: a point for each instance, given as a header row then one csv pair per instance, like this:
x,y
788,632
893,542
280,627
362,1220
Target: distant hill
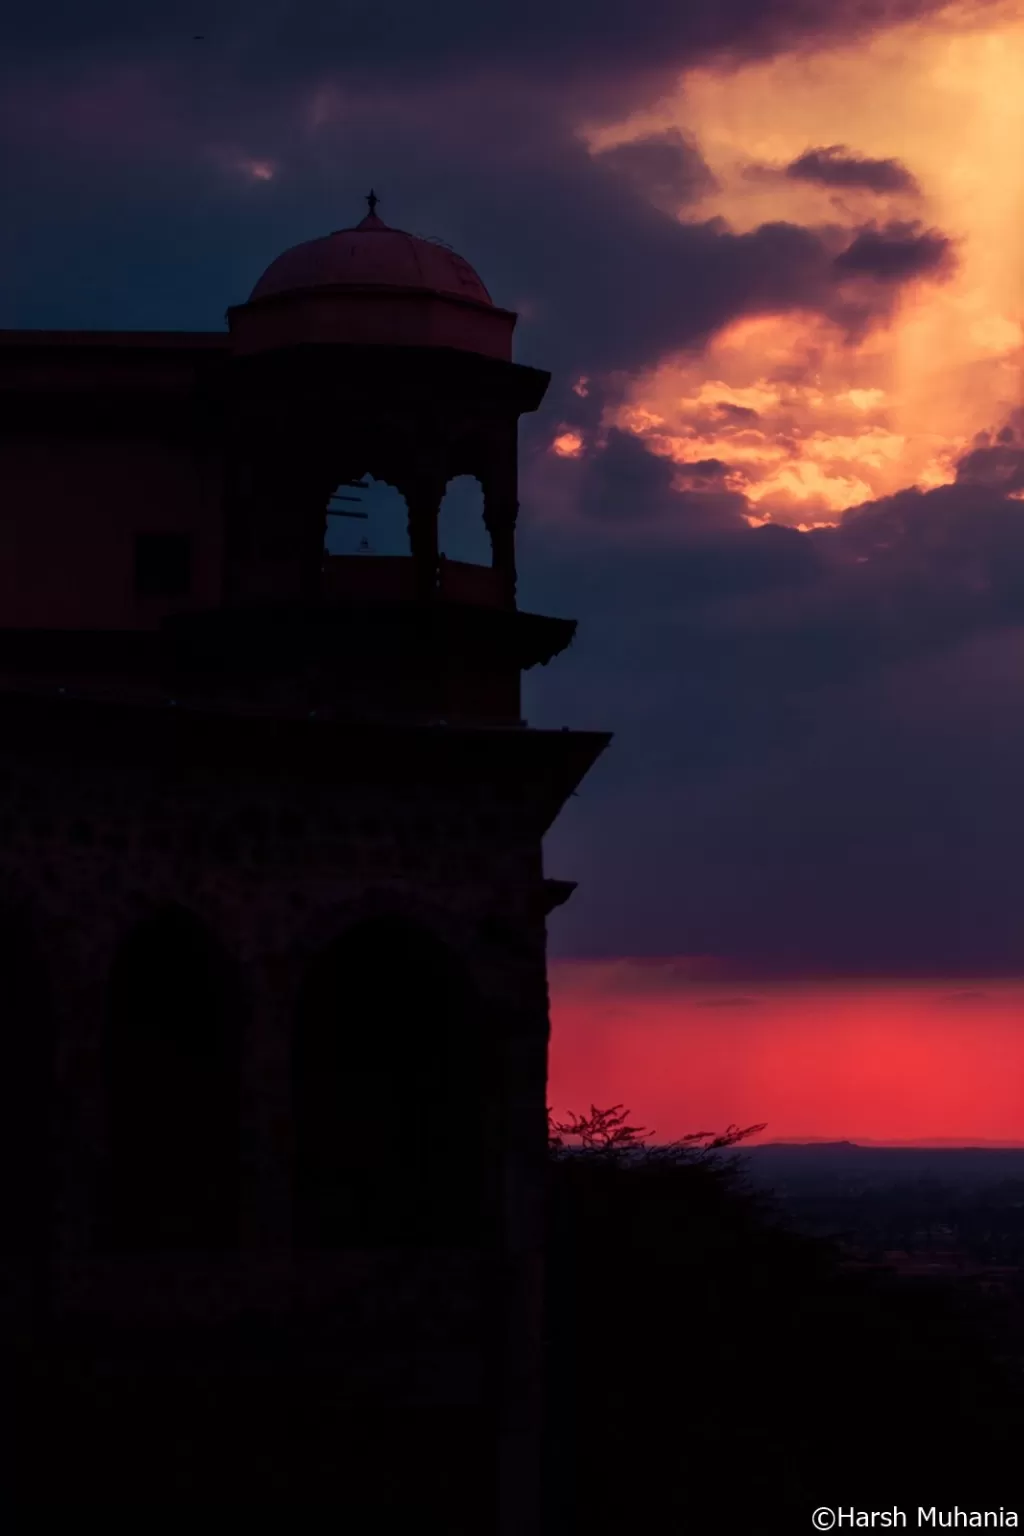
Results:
x,y
830,1166
936,1141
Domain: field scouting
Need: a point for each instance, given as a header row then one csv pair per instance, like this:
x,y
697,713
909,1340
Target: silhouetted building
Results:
x,y
273,961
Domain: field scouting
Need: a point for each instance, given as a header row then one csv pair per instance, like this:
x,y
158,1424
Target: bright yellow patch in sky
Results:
x,y
837,424
568,445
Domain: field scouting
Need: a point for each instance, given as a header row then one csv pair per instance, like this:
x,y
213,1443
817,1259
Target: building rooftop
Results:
x,y
372,255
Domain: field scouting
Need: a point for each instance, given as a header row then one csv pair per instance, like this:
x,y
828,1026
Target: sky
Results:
x,y
891,1062
773,253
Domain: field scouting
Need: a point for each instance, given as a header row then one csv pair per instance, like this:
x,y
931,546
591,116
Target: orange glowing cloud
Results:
x,y
808,422
819,440
568,445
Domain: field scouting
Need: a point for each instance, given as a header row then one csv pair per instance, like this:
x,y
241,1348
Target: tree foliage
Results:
x,y
709,1368
609,1133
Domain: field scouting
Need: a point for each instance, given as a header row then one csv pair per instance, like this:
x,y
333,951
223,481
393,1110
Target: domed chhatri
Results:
x,y
371,286
372,255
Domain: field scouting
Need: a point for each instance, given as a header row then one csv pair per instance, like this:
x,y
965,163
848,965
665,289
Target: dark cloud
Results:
x,y
997,465
730,412
624,484
896,253
836,166
956,552
588,43
667,167
817,761
701,472
639,285
619,286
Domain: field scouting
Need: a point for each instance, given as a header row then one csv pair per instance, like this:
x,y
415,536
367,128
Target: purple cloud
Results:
x,y
896,253
818,750
665,166
836,166
998,466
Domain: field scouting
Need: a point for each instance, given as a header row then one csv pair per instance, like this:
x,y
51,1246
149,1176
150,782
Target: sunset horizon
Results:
x,y
685,1052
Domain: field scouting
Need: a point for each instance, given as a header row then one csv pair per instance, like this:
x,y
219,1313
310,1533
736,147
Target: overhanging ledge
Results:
x,y
190,745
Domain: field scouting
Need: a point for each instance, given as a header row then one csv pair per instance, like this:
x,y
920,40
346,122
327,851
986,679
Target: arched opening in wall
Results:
x,y
172,1085
367,517
461,530
26,1087
392,1095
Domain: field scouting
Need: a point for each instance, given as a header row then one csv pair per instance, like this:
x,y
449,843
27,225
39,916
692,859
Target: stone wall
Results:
x,y
73,505
275,871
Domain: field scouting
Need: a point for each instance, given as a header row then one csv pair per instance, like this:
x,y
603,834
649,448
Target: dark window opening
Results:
x,y
172,1090
26,1041
390,1096
163,564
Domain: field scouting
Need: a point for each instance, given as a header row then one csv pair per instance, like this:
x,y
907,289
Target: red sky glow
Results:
x,y
907,1061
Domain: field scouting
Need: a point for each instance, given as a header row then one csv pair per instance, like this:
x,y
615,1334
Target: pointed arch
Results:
x,y
367,516
27,1058
172,1087
462,530
391,1088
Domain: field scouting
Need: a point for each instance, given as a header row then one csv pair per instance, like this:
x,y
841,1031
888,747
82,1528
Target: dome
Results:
x,y
372,255
370,286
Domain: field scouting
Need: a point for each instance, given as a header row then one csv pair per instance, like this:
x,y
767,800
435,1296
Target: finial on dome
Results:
x,y
372,200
